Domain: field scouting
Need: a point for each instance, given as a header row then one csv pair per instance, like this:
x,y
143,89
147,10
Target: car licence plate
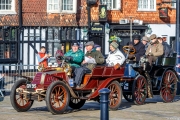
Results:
x,y
31,85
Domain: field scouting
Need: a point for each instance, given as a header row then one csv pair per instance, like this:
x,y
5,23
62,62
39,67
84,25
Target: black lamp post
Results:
x,y
89,3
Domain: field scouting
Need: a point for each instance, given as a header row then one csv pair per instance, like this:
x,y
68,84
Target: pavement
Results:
x,y
153,109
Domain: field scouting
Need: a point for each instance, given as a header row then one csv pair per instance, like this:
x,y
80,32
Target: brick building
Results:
x,y
25,25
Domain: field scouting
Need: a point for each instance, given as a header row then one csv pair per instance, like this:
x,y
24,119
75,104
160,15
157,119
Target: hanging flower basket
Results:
x,y
114,39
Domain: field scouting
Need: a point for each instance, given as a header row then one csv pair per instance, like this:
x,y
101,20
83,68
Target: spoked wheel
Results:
x,y
139,90
128,97
57,97
76,103
168,86
18,100
115,96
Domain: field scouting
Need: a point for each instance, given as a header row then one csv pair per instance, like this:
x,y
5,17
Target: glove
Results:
x,y
131,46
150,54
131,56
69,58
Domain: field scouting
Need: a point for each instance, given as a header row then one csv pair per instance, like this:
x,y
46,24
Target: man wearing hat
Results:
x,y
87,65
154,50
139,47
145,41
115,55
74,56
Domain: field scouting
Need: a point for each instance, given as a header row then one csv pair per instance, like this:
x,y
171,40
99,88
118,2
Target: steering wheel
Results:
x,y
128,49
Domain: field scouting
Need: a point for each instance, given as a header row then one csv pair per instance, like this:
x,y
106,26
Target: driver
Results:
x,y
74,56
139,47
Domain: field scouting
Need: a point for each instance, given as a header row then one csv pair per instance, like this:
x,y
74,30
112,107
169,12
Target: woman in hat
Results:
x,y
115,55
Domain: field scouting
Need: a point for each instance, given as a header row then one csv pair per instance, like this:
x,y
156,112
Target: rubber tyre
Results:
x,y
76,103
13,99
57,90
116,89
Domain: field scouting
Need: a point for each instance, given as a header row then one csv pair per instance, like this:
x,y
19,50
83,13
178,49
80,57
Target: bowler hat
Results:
x,y
91,43
153,36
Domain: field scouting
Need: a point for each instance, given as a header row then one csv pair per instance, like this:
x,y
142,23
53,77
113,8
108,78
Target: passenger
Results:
x,y
74,56
97,47
92,58
154,50
168,51
42,57
115,55
139,47
145,41
59,53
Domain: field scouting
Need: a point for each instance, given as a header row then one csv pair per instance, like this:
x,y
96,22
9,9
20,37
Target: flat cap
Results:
x,y
153,36
136,37
91,43
145,39
114,44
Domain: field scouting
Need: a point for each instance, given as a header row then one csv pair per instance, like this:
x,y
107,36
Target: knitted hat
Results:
x,y
114,44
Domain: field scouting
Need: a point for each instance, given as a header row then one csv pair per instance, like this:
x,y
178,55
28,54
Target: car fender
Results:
x,y
104,85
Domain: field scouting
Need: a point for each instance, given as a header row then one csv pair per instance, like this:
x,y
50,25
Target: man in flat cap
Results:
x,y
154,50
92,58
74,56
145,41
115,56
139,47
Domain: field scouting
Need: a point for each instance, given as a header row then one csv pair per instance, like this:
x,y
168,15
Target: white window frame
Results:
x,y
12,11
173,5
60,8
118,3
147,9
53,11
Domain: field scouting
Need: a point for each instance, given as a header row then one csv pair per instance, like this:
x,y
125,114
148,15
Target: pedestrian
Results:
x,y
42,57
97,47
59,53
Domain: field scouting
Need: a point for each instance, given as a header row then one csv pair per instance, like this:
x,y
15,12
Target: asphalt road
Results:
x,y
153,109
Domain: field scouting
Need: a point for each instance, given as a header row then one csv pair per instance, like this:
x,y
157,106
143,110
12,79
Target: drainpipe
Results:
x,y
177,34
89,20
19,32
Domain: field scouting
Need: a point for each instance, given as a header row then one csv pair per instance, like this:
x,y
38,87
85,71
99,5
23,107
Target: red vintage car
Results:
x,y
52,85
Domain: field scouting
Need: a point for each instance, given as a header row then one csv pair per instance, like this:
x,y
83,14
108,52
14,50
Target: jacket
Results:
x,y
41,60
97,56
140,50
115,57
156,49
167,49
78,57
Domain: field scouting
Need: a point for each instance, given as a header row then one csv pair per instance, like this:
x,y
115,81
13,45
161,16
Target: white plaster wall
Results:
x,y
163,30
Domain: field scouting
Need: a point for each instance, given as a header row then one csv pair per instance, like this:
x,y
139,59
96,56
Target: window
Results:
x,y
112,4
8,44
7,7
61,6
173,4
147,5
